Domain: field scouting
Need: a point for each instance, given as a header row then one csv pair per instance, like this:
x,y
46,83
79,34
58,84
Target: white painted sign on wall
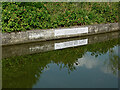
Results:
x,y
71,31
70,44
35,35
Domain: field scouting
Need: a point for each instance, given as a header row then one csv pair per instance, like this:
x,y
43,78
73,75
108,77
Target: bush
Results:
x,y
21,16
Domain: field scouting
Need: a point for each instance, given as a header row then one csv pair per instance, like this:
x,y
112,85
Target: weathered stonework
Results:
x,y
43,35
37,47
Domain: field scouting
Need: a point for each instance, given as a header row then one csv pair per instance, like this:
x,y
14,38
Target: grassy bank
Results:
x,y
21,16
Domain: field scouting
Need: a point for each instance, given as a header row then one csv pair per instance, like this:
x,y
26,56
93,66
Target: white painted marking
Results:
x,y
36,48
70,44
71,31
35,35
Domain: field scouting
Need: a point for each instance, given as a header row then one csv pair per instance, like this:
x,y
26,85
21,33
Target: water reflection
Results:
x,y
90,66
108,62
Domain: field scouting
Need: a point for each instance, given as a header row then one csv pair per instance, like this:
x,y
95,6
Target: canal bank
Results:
x,y
51,34
89,66
39,47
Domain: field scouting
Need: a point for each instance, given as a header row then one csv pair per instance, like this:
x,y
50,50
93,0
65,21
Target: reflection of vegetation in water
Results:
x,y
101,48
24,71
112,63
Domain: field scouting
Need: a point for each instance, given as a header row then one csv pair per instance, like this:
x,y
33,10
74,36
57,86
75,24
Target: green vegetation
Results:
x,y
32,66
21,16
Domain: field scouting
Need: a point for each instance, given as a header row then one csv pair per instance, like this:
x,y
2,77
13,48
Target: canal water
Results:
x,y
87,62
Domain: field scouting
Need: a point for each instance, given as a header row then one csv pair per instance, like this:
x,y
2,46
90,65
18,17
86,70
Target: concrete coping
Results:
x,y
59,33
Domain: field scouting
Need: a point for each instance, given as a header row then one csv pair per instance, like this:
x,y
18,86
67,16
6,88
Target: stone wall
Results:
x,y
37,47
43,35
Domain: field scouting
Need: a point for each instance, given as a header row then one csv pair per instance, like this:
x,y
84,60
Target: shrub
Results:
x,y
21,16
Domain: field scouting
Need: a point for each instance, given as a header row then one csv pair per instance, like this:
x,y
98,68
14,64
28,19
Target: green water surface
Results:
x,y
89,66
